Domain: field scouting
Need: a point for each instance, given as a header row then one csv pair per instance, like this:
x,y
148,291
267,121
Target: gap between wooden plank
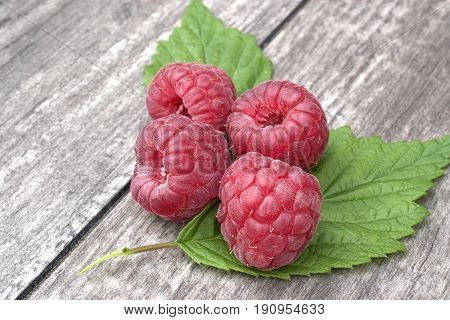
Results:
x,y
124,190
74,242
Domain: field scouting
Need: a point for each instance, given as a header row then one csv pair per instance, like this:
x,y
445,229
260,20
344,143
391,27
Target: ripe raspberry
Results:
x,y
201,92
179,166
269,210
279,119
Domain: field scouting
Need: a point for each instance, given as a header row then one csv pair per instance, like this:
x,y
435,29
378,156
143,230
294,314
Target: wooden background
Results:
x,y
73,102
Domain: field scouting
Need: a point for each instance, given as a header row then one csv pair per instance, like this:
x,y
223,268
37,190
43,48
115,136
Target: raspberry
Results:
x,y
269,210
279,119
179,166
201,92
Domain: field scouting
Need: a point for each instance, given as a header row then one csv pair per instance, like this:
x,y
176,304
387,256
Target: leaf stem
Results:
x,y
127,252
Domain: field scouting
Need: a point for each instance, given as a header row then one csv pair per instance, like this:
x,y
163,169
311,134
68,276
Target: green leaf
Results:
x,y
369,187
203,38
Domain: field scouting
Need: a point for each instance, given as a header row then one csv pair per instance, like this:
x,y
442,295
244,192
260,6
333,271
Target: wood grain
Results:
x,y
382,68
72,104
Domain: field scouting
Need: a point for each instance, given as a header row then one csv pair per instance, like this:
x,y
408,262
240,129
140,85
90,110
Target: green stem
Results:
x,y
127,252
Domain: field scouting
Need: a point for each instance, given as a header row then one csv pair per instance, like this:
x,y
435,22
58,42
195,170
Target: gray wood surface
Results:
x,y
72,104
382,68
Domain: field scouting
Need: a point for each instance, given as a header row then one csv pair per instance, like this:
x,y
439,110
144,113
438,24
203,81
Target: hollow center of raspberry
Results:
x,y
271,120
163,172
183,110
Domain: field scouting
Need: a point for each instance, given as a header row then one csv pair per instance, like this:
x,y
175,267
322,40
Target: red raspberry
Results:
x,y
201,92
279,119
269,210
179,166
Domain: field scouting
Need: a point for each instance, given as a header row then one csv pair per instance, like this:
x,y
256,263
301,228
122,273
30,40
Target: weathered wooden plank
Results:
x,y
12,28
72,104
382,69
